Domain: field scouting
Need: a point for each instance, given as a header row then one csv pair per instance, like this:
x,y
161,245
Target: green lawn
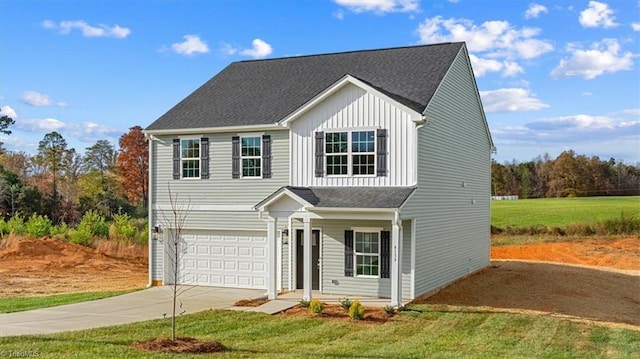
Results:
x,y
435,333
561,211
10,305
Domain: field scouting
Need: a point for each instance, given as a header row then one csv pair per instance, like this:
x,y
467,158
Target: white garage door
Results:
x,y
236,260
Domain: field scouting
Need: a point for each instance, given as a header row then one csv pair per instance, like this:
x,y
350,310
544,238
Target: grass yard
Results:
x,y
18,304
450,332
559,212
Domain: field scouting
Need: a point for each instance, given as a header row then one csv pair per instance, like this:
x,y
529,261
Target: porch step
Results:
x,y
271,307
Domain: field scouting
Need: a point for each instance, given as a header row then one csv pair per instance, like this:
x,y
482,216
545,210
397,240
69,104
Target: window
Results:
x,y
251,155
367,253
190,158
350,153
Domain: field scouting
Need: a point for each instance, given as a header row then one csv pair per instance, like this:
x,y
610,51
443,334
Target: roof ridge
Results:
x,y
351,52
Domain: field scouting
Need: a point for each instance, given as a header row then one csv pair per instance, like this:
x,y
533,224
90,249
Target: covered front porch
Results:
x,y
339,242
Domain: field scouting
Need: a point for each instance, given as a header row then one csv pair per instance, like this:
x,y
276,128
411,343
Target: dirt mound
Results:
x,y
580,292
621,254
31,267
180,345
54,251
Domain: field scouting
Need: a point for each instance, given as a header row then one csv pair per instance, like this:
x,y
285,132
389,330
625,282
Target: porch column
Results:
x,y
396,262
306,291
272,263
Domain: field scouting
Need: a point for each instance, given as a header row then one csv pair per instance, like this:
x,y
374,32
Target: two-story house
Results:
x,y
363,173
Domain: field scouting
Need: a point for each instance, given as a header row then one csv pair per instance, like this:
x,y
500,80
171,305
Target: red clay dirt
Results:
x,y
621,253
33,267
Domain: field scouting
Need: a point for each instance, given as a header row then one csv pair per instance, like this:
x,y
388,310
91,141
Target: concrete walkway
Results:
x,y
148,304
152,303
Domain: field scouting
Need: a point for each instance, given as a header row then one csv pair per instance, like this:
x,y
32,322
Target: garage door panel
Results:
x,y
224,260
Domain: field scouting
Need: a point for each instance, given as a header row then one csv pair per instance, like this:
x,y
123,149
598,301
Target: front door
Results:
x,y
315,259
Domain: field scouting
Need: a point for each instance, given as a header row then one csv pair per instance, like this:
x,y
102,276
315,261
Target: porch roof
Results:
x,y
344,197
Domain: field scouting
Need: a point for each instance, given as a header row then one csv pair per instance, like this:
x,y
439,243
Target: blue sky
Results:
x,y
553,75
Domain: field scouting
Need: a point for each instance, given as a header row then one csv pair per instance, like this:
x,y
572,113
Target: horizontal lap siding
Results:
x,y
452,201
220,202
332,263
351,108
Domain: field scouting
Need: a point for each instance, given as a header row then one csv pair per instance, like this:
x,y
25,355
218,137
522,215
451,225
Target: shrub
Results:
x,y
94,223
122,229
304,303
38,226
16,225
356,311
316,306
4,227
345,303
60,230
81,236
390,310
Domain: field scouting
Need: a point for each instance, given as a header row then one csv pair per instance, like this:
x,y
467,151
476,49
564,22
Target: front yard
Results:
x,y
433,331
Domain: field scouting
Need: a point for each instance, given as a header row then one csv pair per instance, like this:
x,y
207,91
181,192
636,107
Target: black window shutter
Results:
x,y
266,156
348,253
381,152
385,254
320,154
235,157
176,158
204,158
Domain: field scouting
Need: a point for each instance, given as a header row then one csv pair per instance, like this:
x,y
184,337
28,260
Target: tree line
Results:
x,y
568,175
62,184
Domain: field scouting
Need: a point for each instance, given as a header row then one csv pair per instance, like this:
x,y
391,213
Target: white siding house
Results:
x,y
363,173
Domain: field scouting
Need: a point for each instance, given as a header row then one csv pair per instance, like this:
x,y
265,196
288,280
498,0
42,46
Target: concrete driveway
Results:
x,y
152,303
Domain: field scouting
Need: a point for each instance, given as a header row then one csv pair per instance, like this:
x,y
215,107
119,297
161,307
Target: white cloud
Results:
x,y
482,65
380,6
192,44
40,125
602,57
498,39
606,136
635,26
535,10
37,99
510,100
339,14
8,111
587,94
596,15
65,27
85,131
260,49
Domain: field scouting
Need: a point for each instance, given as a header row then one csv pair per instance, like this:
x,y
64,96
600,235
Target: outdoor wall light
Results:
x,y
155,231
285,236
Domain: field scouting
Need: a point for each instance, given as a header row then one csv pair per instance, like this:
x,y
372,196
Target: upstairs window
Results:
x,y
190,158
350,153
251,155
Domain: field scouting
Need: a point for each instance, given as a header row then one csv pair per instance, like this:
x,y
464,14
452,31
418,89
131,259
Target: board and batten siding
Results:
x,y
332,260
451,205
352,108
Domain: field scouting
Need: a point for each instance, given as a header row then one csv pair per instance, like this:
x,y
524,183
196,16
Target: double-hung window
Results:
x,y
251,155
367,253
350,153
190,157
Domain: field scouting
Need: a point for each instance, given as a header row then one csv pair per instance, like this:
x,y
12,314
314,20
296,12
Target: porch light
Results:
x,y
285,236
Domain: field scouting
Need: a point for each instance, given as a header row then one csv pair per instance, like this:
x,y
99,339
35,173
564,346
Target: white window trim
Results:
x,y
182,159
251,135
350,153
355,253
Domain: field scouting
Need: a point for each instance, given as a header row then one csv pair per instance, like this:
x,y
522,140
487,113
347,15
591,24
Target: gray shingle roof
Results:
x,y
354,197
265,91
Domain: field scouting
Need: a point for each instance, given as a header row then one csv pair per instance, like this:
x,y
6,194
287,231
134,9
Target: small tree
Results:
x,y
175,223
